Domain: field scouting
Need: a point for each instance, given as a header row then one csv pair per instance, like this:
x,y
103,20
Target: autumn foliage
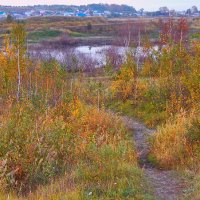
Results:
x,y
47,131
54,122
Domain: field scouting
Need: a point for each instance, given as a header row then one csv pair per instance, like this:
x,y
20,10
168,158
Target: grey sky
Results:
x,y
146,4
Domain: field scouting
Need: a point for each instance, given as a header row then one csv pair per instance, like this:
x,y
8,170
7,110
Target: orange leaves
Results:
x,y
174,106
174,31
76,107
125,81
13,64
183,26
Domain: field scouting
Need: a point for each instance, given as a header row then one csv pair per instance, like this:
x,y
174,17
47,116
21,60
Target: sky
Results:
x,y
146,4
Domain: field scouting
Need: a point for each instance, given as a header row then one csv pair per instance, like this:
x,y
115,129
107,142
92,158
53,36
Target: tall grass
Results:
x,y
170,145
90,150
176,145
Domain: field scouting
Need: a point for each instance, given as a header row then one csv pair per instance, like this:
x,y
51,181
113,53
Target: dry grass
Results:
x,y
176,144
94,153
171,147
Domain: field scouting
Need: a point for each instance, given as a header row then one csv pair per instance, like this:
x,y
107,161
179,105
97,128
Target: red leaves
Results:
x,y
173,31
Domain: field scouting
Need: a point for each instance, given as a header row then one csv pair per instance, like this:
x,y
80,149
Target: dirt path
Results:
x,y
167,185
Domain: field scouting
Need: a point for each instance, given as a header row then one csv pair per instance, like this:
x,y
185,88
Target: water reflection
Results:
x,y
97,55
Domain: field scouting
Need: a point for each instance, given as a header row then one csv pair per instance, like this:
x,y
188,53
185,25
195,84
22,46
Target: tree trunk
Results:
x,y
19,76
139,44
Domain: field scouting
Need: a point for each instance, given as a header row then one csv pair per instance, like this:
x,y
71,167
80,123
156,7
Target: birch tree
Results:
x,y
18,36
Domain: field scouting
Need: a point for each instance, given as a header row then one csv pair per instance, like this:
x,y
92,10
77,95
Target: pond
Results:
x,y
96,55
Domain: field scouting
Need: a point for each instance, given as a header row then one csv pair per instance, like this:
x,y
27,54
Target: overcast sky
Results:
x,y
146,4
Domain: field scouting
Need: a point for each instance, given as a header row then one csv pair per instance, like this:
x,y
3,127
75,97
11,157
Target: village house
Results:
x,y
3,15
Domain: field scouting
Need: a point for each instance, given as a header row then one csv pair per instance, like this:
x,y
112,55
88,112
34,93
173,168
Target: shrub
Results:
x,y
91,147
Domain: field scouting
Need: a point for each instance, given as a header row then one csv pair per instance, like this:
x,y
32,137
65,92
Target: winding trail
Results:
x,y
167,185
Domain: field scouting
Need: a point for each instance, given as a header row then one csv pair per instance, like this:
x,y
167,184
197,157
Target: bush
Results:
x,y
91,147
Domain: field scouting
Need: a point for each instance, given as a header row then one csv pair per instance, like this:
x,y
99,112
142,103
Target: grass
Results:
x,y
175,145
195,35
53,145
102,164
147,99
196,190
77,34
44,34
57,189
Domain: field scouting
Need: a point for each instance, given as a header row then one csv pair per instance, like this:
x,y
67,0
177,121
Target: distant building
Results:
x,y
108,13
94,10
89,12
172,13
181,13
19,16
97,13
81,14
59,13
29,13
69,14
43,12
3,15
196,15
46,13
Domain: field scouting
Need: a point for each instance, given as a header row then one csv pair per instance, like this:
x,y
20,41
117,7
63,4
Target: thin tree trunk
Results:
x,y
181,40
19,76
98,99
36,80
30,84
139,44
